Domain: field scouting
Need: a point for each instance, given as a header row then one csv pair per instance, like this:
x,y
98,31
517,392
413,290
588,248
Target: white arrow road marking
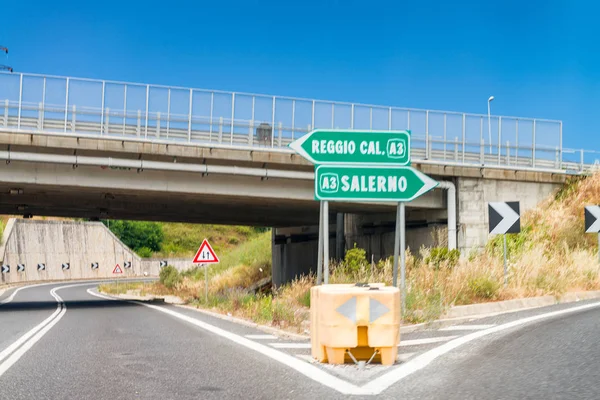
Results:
x,y
509,217
595,211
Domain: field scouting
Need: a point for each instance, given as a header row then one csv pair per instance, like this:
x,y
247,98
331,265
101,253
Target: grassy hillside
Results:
x,y
552,255
183,240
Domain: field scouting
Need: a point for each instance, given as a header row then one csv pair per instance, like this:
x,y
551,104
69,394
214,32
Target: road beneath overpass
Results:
x,y
64,340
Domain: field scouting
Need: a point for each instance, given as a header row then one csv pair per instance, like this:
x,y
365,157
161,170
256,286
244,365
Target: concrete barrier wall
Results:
x,y
31,242
181,264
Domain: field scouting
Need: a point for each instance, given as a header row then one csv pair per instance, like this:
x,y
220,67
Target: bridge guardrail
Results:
x,y
30,102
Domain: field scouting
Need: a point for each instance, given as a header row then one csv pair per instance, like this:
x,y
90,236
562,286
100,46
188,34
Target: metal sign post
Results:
x,y
396,247
320,246
355,166
504,217
206,283
325,242
205,256
505,263
403,255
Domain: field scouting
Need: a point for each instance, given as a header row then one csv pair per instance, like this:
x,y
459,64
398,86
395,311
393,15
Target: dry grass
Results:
x,y
551,255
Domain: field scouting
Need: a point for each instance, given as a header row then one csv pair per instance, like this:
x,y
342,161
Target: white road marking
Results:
x,y
417,342
261,337
386,380
290,345
376,386
308,370
17,290
26,342
467,327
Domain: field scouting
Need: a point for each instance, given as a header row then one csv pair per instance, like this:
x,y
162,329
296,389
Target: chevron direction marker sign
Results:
x,y
592,222
504,217
66,266
592,219
127,264
41,267
163,264
20,267
5,269
95,265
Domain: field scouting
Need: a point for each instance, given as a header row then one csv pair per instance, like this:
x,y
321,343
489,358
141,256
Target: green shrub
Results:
x,y
265,308
138,234
355,259
515,243
169,276
233,240
144,252
483,287
439,255
304,299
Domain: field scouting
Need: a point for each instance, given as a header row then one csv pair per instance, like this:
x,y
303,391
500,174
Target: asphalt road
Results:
x,y
555,359
60,341
104,349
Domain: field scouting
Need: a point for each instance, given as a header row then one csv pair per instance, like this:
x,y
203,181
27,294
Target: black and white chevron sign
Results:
x,y
127,264
41,267
163,264
5,269
504,217
592,219
66,266
95,265
20,267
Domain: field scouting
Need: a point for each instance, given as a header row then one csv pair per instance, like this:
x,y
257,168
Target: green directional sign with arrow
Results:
x,y
370,183
355,147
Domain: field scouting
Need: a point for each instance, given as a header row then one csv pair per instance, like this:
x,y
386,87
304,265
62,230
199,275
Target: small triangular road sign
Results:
x,y
205,254
117,269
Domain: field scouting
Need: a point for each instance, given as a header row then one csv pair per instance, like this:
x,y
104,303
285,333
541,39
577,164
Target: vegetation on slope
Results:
x,y
551,255
178,240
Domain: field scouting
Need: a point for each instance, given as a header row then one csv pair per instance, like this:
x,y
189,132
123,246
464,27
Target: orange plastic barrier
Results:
x,y
362,321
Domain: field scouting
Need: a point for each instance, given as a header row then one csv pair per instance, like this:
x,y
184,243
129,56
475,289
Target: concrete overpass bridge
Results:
x,y
100,149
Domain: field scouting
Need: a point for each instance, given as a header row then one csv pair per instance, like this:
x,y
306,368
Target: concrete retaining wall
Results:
x,y
474,194
31,242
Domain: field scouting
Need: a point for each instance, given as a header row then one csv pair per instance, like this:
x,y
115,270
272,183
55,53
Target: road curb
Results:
x,y
176,301
455,315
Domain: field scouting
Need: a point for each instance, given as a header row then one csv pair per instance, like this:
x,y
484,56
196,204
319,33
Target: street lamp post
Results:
x,y
490,124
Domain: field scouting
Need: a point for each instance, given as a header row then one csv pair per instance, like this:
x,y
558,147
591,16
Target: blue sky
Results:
x,y
538,58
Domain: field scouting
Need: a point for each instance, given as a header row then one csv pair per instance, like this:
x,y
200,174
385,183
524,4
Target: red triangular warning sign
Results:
x,y
205,254
117,269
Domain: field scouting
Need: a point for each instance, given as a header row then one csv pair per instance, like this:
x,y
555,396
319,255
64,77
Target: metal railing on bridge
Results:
x,y
74,106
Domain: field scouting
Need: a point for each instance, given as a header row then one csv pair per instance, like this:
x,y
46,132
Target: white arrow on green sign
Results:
x,y
354,147
370,183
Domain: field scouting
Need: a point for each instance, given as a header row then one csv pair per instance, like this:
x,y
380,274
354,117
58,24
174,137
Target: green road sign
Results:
x,y
354,147
370,183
